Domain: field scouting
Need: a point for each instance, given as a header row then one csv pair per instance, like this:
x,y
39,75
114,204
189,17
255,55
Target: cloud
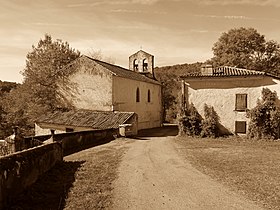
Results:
x,y
237,17
240,2
137,11
120,2
225,17
149,2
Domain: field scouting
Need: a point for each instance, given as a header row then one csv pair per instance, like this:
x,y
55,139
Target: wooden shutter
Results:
x,y
241,102
240,126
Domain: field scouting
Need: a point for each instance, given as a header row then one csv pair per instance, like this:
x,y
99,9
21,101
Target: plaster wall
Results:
x,y
124,99
90,86
45,129
221,94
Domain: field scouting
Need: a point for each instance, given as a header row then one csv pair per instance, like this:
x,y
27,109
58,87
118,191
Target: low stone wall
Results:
x,y
77,141
21,169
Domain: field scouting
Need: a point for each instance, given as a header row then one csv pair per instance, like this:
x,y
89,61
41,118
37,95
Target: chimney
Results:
x,y
207,70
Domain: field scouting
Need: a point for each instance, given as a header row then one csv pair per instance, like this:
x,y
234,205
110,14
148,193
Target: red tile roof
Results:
x,y
226,71
87,118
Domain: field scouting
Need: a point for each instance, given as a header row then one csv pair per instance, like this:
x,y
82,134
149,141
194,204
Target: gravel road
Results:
x,y
152,175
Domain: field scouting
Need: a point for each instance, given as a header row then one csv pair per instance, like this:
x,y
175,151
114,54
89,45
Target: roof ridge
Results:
x,y
106,63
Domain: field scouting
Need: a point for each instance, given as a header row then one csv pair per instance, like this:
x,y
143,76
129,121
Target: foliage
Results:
x,y
45,76
246,48
98,55
210,122
168,76
5,89
265,117
190,122
44,73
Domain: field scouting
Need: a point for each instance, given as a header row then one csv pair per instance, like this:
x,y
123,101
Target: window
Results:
x,y
241,102
149,96
137,95
135,65
240,126
145,65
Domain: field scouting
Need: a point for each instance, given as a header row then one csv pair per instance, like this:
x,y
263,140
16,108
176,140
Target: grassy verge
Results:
x,y
249,167
82,181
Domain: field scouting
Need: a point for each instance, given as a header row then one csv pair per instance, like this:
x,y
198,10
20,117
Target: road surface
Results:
x,y
152,175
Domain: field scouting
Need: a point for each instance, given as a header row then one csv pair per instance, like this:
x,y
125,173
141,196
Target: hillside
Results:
x,y
6,87
178,69
169,76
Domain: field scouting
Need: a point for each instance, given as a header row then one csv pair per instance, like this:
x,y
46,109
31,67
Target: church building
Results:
x,y
98,86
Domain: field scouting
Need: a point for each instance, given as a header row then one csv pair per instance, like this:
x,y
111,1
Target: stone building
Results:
x,y
100,86
230,91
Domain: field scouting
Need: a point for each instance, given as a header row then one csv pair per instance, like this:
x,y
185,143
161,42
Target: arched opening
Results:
x,y
135,65
145,65
149,96
137,95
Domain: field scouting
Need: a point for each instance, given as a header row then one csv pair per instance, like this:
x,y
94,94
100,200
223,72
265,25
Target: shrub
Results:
x,y
265,117
190,122
210,123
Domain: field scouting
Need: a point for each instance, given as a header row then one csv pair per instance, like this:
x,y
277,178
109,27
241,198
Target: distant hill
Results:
x,y
178,69
169,76
6,87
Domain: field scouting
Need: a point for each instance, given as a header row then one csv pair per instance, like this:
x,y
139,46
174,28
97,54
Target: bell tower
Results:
x,y
142,63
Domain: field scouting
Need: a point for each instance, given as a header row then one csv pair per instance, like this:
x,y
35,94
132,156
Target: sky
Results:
x,y
174,31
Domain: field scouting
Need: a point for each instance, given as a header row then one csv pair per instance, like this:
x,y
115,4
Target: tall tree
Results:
x,y
246,48
45,73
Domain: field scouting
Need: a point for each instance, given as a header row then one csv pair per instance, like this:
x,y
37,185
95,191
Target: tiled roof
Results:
x,y
122,72
226,71
87,118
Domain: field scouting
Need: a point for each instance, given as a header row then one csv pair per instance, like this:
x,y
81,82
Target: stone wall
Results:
x,y
21,169
76,141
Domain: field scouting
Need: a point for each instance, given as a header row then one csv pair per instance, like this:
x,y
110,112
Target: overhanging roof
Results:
x,y
86,118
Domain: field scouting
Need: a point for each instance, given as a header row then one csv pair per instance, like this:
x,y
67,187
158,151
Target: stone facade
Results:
x,y
97,85
142,62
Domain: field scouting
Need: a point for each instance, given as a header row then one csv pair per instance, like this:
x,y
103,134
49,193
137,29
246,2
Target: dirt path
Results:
x,y
153,176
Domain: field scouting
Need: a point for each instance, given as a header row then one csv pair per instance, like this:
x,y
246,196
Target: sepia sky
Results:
x,y
174,31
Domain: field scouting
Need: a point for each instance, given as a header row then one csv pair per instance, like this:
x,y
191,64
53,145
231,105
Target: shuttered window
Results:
x,y
241,102
240,126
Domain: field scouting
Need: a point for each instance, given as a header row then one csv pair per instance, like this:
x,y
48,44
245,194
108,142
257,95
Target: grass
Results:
x,y
250,167
82,181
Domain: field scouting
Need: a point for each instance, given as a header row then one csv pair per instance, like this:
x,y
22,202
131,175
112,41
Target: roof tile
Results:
x,y
87,118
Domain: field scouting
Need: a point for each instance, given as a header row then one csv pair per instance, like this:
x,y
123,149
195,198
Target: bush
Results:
x,y
265,117
210,123
190,122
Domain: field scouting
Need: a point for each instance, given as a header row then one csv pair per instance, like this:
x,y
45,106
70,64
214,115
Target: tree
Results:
x,y
98,55
45,73
246,48
265,117
210,122
190,121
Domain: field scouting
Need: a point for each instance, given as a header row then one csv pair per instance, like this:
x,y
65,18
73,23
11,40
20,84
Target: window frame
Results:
x,y
242,130
241,107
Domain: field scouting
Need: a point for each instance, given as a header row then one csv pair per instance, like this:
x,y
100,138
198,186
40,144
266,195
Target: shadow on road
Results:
x,y
51,189
167,130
